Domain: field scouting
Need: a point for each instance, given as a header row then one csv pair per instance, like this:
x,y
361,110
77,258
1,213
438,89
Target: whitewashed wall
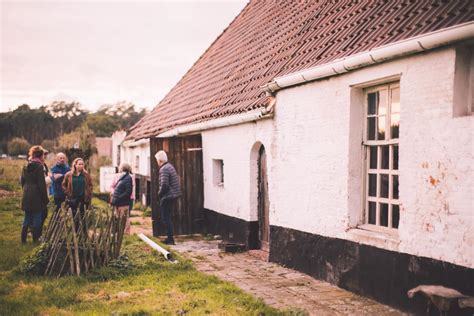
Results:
x,y
234,145
129,154
117,139
315,160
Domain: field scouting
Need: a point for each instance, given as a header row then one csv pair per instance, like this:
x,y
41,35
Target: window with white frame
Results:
x,y
381,142
137,162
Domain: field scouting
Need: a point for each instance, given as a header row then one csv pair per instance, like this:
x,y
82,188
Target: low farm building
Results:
x,y
338,136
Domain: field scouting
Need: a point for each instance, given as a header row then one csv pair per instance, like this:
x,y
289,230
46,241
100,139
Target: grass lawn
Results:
x,y
145,284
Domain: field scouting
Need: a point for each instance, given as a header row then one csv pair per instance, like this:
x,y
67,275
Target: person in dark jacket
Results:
x,y
122,194
35,196
57,176
169,191
77,185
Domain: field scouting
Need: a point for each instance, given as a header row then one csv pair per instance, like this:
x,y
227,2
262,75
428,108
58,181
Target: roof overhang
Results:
x,y
246,117
135,143
380,54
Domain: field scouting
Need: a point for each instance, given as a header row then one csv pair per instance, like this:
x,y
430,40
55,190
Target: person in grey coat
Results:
x,y
169,191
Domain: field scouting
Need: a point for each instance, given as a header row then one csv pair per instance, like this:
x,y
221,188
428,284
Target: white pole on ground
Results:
x,y
155,246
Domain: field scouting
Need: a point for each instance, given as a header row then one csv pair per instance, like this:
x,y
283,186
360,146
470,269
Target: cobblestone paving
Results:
x,y
277,286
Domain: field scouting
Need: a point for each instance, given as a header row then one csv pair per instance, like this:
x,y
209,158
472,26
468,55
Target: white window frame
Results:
x,y
377,227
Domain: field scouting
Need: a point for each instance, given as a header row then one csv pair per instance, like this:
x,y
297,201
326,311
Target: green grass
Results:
x,y
141,283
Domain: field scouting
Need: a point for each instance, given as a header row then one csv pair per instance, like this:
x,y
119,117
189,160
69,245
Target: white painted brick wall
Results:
x,y
315,177
128,154
234,145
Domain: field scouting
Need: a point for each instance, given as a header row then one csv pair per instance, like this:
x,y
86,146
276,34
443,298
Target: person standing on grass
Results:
x,y
77,185
114,185
35,200
122,193
169,191
57,176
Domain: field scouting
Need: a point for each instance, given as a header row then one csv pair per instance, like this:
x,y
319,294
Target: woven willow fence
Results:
x,y
76,243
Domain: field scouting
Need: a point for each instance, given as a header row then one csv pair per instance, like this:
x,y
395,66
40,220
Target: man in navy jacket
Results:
x,y
169,191
57,176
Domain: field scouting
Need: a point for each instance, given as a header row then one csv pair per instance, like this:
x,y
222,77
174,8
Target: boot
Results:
x,y
36,233
24,234
168,241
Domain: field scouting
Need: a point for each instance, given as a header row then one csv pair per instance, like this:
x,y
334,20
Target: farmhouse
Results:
x,y
337,135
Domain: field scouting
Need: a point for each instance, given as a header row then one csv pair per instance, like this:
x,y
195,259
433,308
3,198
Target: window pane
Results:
x,y
394,187
372,185
395,125
383,101
384,214
395,216
385,156
372,213
384,185
372,103
371,128
373,157
395,157
396,100
381,128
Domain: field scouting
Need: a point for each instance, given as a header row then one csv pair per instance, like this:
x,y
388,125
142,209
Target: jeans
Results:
x,y
33,219
166,209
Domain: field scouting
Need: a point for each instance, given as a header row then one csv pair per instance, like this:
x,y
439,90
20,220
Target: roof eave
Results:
x,y
380,54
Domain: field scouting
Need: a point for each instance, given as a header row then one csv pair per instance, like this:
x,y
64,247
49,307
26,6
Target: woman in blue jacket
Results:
x,y
122,194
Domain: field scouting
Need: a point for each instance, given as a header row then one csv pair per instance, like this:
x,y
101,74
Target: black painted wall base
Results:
x,y
231,229
383,275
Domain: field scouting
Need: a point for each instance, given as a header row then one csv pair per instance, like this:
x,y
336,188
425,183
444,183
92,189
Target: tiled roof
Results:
x,y
273,38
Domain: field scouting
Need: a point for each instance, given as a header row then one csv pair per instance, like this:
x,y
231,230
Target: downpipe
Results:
x,y
168,256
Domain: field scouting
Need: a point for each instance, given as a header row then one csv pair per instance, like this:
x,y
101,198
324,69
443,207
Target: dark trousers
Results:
x,y
33,219
58,201
166,208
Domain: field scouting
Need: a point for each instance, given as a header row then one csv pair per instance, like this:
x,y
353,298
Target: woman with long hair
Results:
x,y
35,196
77,185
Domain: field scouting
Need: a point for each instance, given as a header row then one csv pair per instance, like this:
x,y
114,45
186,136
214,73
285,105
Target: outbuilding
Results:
x,y
338,136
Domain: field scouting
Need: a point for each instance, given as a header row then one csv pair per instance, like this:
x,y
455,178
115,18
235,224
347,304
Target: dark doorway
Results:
x,y
263,201
185,154
148,193
137,189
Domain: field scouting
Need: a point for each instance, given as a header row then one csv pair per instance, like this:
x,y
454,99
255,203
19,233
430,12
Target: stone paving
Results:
x,y
278,286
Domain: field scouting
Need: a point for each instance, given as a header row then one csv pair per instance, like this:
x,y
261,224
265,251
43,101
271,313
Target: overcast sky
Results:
x,y
103,52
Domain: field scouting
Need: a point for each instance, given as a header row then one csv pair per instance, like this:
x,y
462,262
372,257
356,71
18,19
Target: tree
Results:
x,y
68,116
34,125
79,143
18,146
123,112
103,125
49,145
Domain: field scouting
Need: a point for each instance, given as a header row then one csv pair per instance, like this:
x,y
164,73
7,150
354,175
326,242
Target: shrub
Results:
x,y
18,146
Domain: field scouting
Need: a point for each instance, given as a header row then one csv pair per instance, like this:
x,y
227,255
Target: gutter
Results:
x,y
374,56
135,143
250,116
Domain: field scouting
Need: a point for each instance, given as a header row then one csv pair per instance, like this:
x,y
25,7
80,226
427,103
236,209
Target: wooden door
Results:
x,y
185,154
263,202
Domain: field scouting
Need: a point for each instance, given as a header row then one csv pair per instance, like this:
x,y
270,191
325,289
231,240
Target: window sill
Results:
x,y
375,236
